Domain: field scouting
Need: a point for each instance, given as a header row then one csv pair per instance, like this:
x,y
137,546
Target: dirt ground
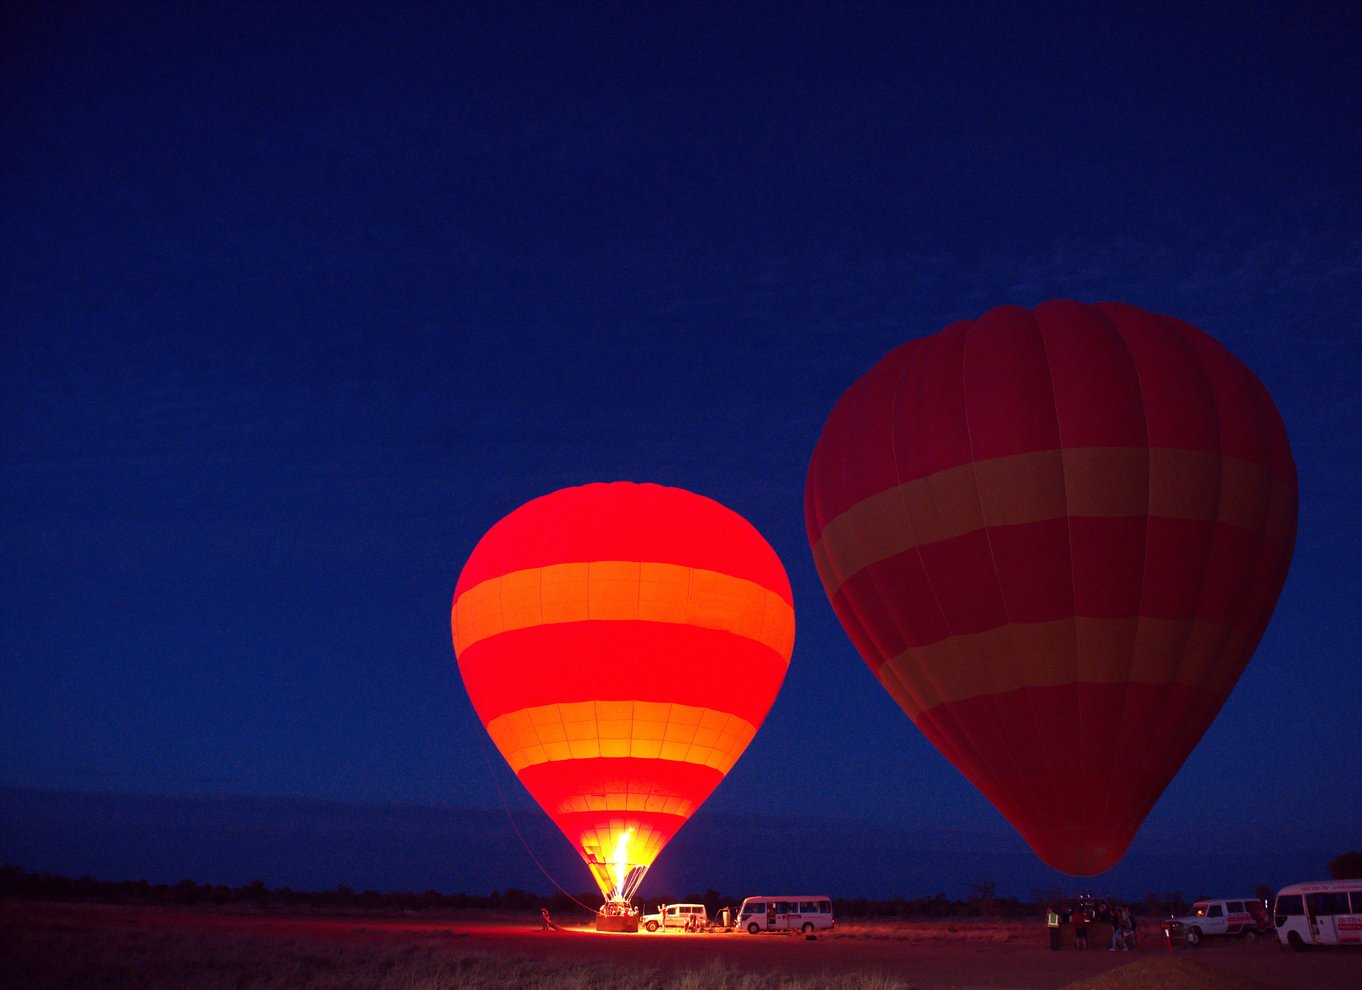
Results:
x,y
963,954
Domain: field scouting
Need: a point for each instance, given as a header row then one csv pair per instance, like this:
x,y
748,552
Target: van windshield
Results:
x,y
1290,904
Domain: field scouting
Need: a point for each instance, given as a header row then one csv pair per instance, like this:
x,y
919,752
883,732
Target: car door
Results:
x,y
1215,920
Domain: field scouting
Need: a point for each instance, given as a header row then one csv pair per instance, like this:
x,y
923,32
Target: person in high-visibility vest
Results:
x,y
1052,922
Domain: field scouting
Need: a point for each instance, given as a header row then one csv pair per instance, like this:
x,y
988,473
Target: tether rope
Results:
x,y
501,796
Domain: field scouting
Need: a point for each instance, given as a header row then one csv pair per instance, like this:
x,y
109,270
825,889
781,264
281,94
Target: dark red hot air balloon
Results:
x,y
622,644
1056,536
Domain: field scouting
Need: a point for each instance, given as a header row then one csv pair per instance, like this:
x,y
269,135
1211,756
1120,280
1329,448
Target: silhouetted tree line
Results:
x,y
936,906
1346,867
982,901
19,884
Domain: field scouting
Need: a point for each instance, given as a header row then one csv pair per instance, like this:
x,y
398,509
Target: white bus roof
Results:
x,y
1307,886
788,897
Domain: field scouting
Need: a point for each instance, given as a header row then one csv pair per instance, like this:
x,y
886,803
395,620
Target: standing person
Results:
x,y
1127,922
1101,915
1052,923
1118,936
1080,922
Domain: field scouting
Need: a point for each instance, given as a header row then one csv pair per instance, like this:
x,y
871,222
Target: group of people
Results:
x,y
1102,916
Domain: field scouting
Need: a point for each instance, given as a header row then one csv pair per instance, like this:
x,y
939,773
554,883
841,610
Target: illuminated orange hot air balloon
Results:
x,y
622,643
1056,536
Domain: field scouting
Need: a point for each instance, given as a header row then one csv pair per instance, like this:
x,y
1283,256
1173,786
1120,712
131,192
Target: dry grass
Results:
x,y
45,947
66,959
1166,973
926,931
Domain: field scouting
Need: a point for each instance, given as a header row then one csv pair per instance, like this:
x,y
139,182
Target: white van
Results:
x,y
691,917
785,914
1327,912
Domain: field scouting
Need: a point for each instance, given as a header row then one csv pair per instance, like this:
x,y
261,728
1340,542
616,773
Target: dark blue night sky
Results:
x,y
299,299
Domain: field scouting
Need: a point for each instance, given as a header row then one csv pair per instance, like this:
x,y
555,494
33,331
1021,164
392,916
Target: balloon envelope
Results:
x,y
621,644
1056,536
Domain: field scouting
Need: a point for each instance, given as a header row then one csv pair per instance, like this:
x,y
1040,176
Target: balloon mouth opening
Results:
x,y
1081,852
615,875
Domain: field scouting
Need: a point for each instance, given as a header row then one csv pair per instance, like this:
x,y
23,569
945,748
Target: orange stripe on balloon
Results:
x,y
617,589
638,729
1051,484
1202,655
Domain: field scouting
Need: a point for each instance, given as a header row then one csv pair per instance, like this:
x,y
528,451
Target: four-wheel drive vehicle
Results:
x,y
1245,917
677,916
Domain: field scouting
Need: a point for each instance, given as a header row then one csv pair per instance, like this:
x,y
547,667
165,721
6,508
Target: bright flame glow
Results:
x,y
620,865
612,861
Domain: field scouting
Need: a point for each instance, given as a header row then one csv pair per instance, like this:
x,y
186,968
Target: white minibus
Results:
x,y
1327,912
785,914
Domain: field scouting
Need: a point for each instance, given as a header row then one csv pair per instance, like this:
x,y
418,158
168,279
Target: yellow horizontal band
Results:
x,y
647,730
1047,654
619,589
1095,482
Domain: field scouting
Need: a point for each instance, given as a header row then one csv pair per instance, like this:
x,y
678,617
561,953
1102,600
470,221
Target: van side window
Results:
x,y
786,907
756,907
1234,907
1214,911
826,906
1328,902
1291,904
1357,901
808,907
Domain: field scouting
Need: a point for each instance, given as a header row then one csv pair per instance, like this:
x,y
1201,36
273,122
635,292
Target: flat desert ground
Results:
x,y
49,946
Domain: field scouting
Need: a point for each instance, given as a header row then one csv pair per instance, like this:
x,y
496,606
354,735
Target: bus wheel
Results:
x,y
753,928
1294,940
808,929
651,926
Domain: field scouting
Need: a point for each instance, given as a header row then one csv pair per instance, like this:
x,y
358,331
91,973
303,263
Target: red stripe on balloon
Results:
x,y
1009,399
575,824
931,380
1250,427
1108,565
1094,378
621,522
621,660
556,784
1178,405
